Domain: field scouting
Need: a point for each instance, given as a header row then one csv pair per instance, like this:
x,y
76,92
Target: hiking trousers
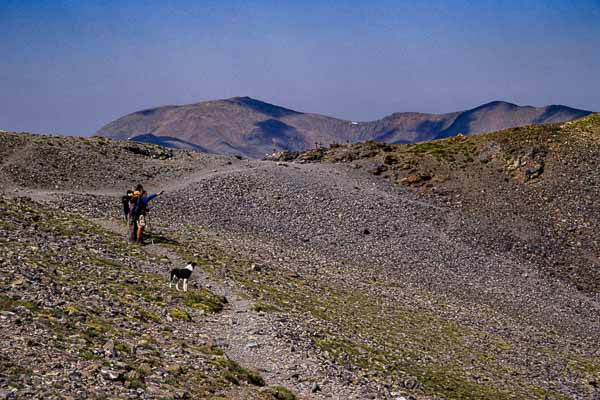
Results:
x,y
133,227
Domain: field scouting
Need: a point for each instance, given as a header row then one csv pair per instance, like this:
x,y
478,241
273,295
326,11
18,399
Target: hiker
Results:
x,y
137,213
125,201
132,219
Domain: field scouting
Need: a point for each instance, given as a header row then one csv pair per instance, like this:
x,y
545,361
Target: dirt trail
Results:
x,y
255,339
235,168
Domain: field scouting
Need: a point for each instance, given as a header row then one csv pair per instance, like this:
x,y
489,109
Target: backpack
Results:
x,y
125,201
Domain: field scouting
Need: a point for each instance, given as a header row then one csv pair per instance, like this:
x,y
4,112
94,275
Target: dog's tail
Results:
x,y
172,276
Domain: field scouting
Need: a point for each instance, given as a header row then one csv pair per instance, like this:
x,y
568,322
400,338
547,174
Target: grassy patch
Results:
x,y
29,305
148,316
434,148
261,306
88,355
136,384
149,293
6,226
179,314
235,373
205,300
122,348
105,262
342,349
280,393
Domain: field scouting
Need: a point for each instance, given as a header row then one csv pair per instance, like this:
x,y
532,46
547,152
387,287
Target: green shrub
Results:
x,y
176,313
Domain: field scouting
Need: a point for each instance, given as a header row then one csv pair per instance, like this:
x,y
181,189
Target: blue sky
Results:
x,y
71,66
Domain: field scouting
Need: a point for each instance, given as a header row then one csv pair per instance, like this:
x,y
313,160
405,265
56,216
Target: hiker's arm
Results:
x,y
147,199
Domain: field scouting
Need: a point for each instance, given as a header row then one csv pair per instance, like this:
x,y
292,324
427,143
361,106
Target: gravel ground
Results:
x,y
342,214
333,225
372,291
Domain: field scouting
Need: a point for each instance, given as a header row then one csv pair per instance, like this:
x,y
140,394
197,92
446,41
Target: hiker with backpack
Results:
x,y
138,206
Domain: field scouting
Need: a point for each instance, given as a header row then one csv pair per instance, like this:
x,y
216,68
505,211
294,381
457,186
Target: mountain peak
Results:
x,y
498,103
261,106
241,98
248,126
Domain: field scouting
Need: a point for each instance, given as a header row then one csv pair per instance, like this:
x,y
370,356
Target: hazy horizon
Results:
x,y
71,67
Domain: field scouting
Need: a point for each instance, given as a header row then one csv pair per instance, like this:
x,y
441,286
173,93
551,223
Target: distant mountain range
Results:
x,y
250,127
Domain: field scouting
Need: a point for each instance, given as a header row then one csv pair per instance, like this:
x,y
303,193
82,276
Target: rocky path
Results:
x,y
261,341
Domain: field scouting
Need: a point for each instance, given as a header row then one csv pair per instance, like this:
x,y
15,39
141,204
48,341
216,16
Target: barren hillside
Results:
x,y
465,268
532,188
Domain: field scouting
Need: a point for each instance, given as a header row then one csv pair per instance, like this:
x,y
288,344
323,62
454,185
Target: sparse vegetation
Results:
x,y
477,281
204,299
236,374
281,393
261,306
182,315
78,331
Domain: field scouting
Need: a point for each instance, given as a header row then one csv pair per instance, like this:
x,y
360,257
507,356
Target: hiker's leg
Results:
x,y
140,235
133,231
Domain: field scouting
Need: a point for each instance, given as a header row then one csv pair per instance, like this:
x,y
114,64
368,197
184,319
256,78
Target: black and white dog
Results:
x,y
183,274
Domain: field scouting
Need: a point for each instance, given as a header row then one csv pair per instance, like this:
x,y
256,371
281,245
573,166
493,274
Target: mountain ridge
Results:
x,y
253,128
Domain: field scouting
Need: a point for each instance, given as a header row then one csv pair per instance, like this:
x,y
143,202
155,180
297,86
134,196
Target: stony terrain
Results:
x,y
253,128
85,316
75,163
426,280
532,190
